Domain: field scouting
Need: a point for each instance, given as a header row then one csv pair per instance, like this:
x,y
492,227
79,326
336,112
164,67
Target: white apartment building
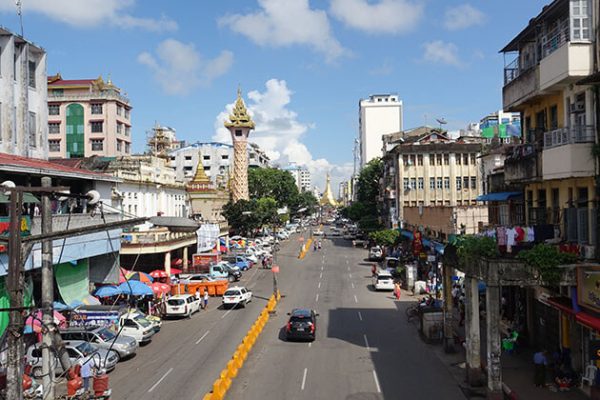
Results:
x,y
23,97
301,176
379,115
217,160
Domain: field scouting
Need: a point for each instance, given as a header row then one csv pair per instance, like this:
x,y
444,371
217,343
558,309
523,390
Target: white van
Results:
x,y
383,281
137,327
182,305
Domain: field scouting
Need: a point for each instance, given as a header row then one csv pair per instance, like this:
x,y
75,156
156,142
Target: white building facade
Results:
x,y
23,97
379,115
301,176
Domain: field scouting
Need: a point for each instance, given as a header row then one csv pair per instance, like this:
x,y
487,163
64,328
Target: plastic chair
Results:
x,y
590,375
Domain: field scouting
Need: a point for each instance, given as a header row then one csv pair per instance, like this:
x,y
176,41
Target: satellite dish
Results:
x,y
93,197
8,184
64,198
441,121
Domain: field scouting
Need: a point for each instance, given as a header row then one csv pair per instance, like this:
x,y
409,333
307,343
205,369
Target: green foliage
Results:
x,y
470,248
274,183
546,259
242,216
365,209
387,237
305,200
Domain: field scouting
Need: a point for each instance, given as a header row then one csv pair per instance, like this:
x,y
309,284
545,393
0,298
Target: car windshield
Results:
x,y
143,322
85,348
175,302
232,293
106,334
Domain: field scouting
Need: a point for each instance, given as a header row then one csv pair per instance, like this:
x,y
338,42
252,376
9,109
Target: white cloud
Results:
x,y
282,23
462,17
279,133
442,52
179,68
91,13
383,16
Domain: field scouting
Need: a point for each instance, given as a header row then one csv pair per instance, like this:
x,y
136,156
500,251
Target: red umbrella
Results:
x,y
160,288
159,273
175,271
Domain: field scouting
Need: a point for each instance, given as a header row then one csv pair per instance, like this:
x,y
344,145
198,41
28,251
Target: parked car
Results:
x,y
318,233
234,271
136,326
236,295
375,253
78,351
302,324
182,305
383,280
104,338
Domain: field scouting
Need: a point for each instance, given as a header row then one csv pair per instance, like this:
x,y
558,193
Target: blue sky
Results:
x,y
302,65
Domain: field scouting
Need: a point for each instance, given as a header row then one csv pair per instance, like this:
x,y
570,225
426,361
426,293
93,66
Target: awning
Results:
x,y
27,198
588,320
500,196
176,224
563,304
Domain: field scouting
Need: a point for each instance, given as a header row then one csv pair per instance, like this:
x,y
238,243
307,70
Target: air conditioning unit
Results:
x,y
589,252
578,107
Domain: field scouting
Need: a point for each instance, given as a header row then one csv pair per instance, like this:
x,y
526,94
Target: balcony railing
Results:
x,y
562,136
154,237
88,96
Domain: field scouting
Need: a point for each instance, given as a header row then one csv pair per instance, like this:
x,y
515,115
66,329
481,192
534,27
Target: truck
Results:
x,y
216,271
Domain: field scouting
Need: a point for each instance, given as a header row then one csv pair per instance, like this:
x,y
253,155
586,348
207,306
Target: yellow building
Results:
x,y
547,60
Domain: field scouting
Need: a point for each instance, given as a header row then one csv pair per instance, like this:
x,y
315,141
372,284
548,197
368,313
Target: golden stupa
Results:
x,y
327,198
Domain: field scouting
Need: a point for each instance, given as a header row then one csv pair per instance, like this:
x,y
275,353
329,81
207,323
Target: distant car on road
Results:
x,y
302,324
237,295
383,281
375,253
318,233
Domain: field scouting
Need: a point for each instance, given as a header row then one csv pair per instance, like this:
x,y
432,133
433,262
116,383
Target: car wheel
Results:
x,y
118,357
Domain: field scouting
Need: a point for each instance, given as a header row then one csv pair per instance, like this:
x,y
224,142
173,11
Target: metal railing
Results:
x,y
88,96
563,136
554,40
154,237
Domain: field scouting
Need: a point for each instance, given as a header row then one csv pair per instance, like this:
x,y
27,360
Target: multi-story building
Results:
x,y
345,192
555,163
23,115
301,176
379,115
432,181
87,117
217,160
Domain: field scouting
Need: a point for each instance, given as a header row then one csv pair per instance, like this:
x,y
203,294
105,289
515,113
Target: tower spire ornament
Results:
x,y
240,124
327,198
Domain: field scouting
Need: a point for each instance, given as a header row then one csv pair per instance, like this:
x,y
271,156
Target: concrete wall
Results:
x,y
441,219
572,60
568,161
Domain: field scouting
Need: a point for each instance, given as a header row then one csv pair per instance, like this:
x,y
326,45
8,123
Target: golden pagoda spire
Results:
x,y
327,198
201,182
239,118
200,176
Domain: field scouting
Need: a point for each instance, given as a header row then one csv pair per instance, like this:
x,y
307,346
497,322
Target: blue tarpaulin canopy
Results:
x,y
499,196
136,288
108,291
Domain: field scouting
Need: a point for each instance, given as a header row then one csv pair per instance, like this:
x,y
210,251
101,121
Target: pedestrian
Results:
x,y
315,245
397,290
264,262
374,270
319,245
87,370
205,299
540,361
198,296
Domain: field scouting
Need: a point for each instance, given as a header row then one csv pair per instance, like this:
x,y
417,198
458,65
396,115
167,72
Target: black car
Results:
x,y
302,324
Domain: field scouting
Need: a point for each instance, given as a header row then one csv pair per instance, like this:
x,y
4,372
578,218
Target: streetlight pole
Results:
x,y
47,294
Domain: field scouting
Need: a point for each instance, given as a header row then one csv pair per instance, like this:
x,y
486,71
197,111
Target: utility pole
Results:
x,y
14,375
47,294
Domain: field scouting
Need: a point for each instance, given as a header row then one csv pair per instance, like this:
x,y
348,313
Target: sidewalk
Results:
x,y
517,370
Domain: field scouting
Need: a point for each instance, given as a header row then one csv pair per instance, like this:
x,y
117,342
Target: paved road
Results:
x,y
364,348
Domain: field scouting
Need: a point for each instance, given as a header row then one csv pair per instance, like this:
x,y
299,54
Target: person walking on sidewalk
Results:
x,y
397,290
205,306
540,361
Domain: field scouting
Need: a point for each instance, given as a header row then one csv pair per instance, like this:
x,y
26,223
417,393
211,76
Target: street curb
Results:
x,y
230,372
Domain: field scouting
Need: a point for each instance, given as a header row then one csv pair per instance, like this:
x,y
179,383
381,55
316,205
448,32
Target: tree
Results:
x,y
304,200
242,216
273,183
365,210
386,237
266,210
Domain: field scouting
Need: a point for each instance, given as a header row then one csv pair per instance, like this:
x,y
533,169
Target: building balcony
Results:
x,y
57,96
566,63
568,153
520,84
159,240
523,165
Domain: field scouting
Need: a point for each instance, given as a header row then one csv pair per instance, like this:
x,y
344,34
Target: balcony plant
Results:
x,y
470,248
546,259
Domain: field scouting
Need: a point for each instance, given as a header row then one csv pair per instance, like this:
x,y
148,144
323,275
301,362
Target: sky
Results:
x,y
302,65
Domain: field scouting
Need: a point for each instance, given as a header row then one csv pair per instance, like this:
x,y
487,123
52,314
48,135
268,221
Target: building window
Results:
x,y
406,184
473,158
458,183
206,157
119,128
465,159
458,158
466,182
413,160
53,127
446,159
473,182
432,159
580,20
53,109
97,144
446,183
97,127
225,157
413,183
238,133
431,183
127,148
439,159
420,159
127,130
32,129
54,145
119,145
405,160
96,108
439,183
188,158
127,113
421,183
119,110
207,167
32,74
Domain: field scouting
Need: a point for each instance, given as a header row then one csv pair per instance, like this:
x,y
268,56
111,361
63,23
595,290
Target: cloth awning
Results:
x,y
561,303
499,196
27,198
588,320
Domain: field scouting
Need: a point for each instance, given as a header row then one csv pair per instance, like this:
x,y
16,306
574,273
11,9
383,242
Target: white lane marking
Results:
x,y
376,382
355,299
227,313
321,268
319,287
304,379
321,275
309,344
352,283
346,261
203,336
348,268
350,275
160,380
317,298
366,342
359,316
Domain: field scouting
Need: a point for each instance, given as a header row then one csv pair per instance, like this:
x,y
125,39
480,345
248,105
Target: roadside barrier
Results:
x,y
227,375
305,248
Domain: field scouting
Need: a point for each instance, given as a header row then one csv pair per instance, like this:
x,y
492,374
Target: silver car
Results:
x,y
105,338
79,352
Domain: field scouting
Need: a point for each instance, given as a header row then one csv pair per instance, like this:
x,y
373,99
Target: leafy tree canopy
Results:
x,y
274,183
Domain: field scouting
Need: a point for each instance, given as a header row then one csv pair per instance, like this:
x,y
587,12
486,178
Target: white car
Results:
x,y
236,295
383,281
375,253
318,233
182,305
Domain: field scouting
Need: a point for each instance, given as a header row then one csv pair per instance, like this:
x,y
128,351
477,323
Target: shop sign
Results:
x,y
417,243
5,226
588,287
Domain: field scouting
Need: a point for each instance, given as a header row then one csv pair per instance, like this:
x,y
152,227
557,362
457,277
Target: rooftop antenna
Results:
x,y
441,121
20,14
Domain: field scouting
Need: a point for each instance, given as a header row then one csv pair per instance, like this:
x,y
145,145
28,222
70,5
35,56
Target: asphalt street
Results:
x,y
364,349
